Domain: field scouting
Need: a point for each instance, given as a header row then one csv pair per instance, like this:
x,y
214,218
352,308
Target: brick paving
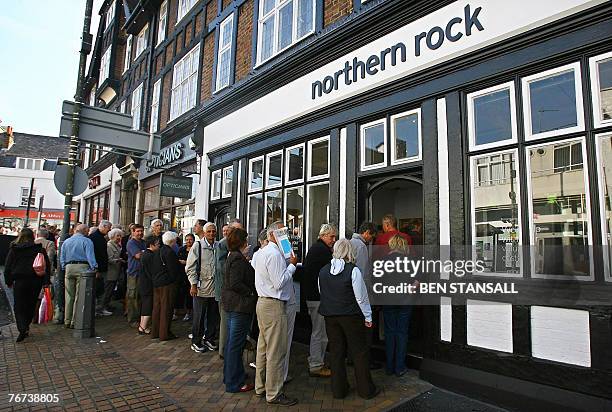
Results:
x,y
120,370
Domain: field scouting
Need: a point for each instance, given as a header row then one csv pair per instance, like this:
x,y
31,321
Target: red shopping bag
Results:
x,y
49,304
45,313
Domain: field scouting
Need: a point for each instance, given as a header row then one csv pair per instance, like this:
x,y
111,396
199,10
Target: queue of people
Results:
x,y
233,296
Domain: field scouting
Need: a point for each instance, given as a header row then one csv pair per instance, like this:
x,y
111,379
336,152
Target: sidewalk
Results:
x,y
120,370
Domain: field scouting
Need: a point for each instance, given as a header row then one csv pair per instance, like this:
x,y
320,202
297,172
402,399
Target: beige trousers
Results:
x,y
73,279
271,347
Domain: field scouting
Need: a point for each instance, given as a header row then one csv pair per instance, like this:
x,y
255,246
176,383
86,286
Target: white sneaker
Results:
x,y
252,365
190,336
105,312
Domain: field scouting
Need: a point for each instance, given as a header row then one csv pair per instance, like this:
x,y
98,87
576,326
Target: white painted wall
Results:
x,y
561,335
12,180
446,319
489,325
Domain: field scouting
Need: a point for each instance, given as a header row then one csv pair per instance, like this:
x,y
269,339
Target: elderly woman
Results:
x,y
164,274
111,276
397,317
346,308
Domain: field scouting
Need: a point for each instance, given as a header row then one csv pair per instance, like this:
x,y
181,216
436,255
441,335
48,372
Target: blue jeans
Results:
x,y
238,325
397,321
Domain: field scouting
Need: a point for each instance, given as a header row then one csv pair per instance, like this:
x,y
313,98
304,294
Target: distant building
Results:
x,y
24,157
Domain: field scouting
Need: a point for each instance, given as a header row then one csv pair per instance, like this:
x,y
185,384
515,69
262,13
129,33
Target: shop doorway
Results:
x,y
401,196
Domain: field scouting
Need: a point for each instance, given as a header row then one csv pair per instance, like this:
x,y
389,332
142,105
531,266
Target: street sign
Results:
x,y
80,179
173,186
108,128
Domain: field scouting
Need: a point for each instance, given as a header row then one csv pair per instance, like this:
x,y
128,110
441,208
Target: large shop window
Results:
x,y
274,207
255,215
491,117
601,78
274,169
224,57
281,24
559,211
97,207
496,213
406,137
294,217
604,164
552,102
294,164
318,158
317,212
184,83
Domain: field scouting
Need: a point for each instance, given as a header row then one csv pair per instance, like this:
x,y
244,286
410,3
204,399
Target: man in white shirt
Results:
x,y
274,284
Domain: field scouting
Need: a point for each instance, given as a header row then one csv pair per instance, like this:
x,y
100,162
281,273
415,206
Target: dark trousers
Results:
x,y
109,288
25,292
59,293
397,320
205,319
233,366
349,333
163,305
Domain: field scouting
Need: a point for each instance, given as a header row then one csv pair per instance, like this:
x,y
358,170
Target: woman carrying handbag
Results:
x,y
26,272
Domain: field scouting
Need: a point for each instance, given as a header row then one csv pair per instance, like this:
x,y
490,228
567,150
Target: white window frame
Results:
x,y
530,211
263,178
105,64
268,157
222,49
395,161
526,81
595,89
599,138
294,39
287,157
213,195
37,164
309,166
184,107
474,185
142,40
265,204
307,217
155,98
471,119
162,22
110,15
136,109
288,189
183,8
225,194
128,53
25,194
362,146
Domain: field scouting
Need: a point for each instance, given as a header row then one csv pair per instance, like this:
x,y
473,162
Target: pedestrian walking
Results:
x,y
164,271
135,248
239,298
319,255
273,281
76,256
348,315
149,265
200,270
19,274
115,268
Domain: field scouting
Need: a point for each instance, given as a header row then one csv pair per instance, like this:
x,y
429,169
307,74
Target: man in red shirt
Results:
x,y
389,225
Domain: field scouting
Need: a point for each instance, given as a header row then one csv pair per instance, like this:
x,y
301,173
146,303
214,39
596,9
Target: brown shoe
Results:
x,y
324,372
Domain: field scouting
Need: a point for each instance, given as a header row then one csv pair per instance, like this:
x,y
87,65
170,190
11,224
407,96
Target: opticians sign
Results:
x,y
171,155
452,31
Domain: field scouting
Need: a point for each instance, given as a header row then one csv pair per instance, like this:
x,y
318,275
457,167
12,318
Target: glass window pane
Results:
x,y
151,198
267,39
294,218
560,214
305,17
605,176
268,5
319,156
406,136
255,218
228,177
226,36
256,174
492,117
285,28
374,142
216,184
274,207
275,167
496,226
604,71
553,103
318,210
295,157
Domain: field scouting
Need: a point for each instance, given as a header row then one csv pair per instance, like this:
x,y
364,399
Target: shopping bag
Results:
x,y
42,312
39,265
49,304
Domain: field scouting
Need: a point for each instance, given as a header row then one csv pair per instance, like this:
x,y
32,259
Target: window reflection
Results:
x,y
553,102
274,207
374,144
294,218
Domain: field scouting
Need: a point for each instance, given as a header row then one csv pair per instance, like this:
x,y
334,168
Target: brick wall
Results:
x,y
172,14
243,44
211,11
226,3
207,67
199,23
188,34
166,92
180,42
336,9
169,52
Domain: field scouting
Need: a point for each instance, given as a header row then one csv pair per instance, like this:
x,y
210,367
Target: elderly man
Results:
x,y
221,253
360,242
200,269
273,281
135,248
76,256
98,237
319,255
157,228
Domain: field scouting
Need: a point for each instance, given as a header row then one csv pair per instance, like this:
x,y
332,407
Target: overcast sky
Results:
x,y
39,44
